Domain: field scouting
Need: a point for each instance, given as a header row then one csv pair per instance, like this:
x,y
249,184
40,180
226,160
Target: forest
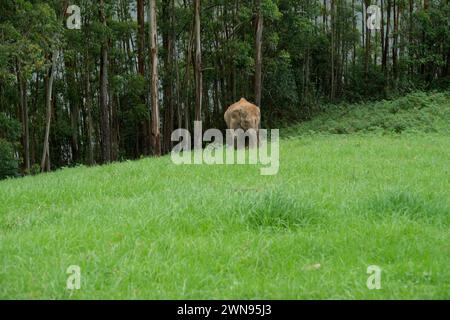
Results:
x,y
115,84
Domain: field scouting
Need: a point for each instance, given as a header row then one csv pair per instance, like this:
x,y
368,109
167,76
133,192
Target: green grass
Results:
x,y
152,229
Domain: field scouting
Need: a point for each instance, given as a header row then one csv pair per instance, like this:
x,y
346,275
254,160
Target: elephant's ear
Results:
x,y
226,117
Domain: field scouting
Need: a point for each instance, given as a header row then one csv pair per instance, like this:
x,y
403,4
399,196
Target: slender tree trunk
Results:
x,y
394,44
198,63
88,107
382,31
104,99
339,48
142,132
258,50
366,46
179,109
24,116
113,121
332,58
410,35
33,151
386,42
155,132
423,66
73,107
354,30
186,106
45,162
168,43
140,37
363,25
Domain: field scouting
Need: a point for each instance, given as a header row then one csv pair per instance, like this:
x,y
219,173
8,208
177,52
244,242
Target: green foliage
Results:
x,y
281,89
9,136
35,169
270,10
9,128
430,50
416,112
8,161
374,88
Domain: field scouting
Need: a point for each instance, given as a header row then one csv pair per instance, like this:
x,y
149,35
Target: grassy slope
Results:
x,y
416,112
151,229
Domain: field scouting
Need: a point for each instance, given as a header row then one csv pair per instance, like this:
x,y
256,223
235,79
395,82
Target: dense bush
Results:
x,y
416,112
9,135
8,162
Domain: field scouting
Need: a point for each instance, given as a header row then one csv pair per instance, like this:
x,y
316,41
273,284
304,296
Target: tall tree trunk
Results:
x,y
45,162
198,63
104,99
24,116
258,58
179,109
394,43
140,37
363,25
366,46
332,58
423,66
382,32
155,132
168,43
354,31
74,120
73,107
410,35
33,152
88,107
187,76
142,134
113,119
386,42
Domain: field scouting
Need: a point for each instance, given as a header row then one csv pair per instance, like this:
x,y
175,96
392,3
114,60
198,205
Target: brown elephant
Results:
x,y
243,115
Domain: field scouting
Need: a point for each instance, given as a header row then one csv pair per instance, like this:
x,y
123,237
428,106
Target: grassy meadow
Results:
x,y
150,229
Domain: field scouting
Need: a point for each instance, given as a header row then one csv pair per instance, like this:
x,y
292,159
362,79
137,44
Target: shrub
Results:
x,y
9,135
9,164
416,112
